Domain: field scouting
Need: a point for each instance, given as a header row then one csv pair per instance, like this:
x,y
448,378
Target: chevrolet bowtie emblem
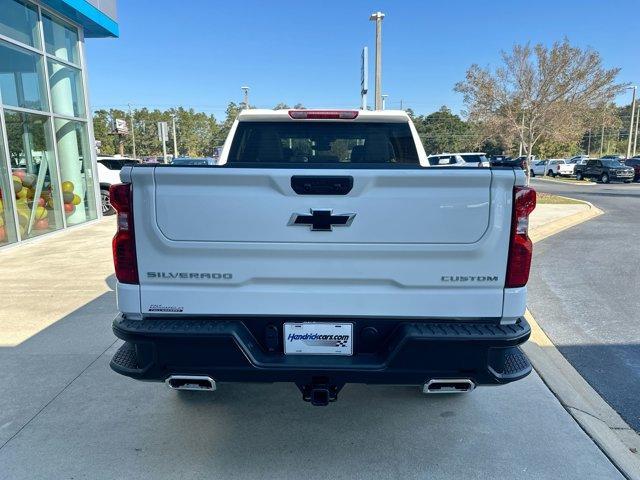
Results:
x,y
322,220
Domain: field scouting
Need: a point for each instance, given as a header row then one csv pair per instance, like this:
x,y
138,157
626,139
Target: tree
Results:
x,y
539,92
442,131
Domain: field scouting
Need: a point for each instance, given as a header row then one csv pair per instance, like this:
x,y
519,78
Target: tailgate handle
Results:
x,y
321,185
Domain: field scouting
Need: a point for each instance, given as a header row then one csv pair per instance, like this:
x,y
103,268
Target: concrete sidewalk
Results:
x,y
65,414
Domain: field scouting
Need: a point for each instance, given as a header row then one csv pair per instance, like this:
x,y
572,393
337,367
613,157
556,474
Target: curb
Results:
x,y
564,182
615,438
561,224
594,415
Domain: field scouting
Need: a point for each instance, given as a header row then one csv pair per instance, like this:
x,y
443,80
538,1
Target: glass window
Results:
x,y
60,39
66,90
7,222
21,78
76,172
323,142
19,20
34,170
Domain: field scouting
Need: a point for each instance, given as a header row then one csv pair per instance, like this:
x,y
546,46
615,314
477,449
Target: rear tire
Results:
x,y
107,208
551,174
532,173
579,176
604,178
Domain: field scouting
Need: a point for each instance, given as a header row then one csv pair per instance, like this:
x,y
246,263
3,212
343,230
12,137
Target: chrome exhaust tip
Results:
x,y
191,382
451,385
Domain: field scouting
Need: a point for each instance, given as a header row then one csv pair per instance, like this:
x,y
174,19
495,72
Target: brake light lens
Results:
x,y
124,245
520,247
323,114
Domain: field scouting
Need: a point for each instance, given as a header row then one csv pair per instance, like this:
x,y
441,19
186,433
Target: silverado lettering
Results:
x,y
174,275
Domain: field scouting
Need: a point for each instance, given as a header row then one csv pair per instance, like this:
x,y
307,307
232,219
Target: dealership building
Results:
x,y
47,161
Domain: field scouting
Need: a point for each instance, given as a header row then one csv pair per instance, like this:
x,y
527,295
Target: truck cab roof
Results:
x,y
347,115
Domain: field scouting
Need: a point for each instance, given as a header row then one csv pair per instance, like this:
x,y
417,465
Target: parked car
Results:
x,y
613,157
546,167
445,160
635,164
469,159
538,167
606,170
217,151
506,161
264,274
193,161
109,174
568,168
478,159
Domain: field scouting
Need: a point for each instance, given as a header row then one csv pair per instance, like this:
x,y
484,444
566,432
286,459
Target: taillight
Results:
x,y
520,246
323,114
124,244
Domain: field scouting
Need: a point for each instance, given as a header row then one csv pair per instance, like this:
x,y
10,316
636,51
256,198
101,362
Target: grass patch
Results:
x,y
558,178
553,199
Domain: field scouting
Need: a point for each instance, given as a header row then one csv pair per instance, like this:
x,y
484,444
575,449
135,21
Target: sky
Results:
x,y
198,53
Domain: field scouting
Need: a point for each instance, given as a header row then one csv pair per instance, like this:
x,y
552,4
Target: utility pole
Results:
x,y
633,109
401,105
133,131
635,139
589,144
175,138
384,101
245,90
377,17
364,77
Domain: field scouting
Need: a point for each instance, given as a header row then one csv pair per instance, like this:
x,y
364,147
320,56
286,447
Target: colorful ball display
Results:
x,y
41,213
42,224
67,186
76,199
29,180
67,197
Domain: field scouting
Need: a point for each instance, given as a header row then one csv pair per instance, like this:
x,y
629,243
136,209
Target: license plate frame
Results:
x,y
318,338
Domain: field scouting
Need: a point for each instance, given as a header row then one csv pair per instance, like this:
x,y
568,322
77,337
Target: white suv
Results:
x,y
469,159
109,174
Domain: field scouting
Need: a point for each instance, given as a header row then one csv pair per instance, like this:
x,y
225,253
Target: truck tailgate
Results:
x,y
419,242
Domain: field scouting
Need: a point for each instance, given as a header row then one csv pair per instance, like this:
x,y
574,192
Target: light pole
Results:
x,y
635,139
245,90
175,138
589,144
377,17
384,101
633,109
133,131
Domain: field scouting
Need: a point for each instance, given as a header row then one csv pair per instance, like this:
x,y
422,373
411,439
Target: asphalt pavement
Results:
x,y
583,291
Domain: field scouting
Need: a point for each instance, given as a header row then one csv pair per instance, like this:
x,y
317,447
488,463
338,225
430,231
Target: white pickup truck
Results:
x,y
322,249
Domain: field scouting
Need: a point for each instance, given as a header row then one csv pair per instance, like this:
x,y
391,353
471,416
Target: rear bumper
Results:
x,y
411,354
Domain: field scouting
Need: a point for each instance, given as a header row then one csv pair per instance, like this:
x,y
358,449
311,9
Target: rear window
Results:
x,y
333,143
